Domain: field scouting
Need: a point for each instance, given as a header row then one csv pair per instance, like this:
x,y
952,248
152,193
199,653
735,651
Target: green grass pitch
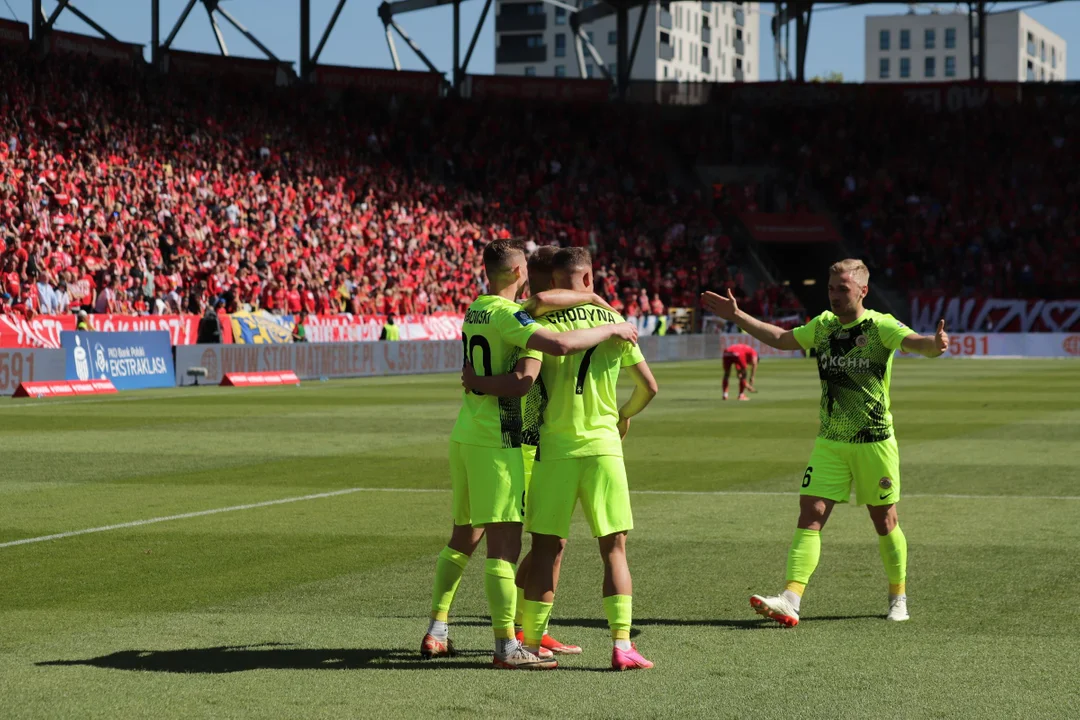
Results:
x,y
316,608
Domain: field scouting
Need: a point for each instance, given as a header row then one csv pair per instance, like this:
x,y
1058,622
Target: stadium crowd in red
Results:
x,y
124,193
985,200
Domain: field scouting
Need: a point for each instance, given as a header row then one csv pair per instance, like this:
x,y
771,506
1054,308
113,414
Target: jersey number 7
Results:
x,y
583,371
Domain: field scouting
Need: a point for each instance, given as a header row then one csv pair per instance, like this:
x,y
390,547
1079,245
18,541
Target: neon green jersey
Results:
x,y
493,336
532,411
582,411
855,367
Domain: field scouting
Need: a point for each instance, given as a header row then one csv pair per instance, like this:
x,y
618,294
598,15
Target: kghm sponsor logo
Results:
x,y
1071,345
845,364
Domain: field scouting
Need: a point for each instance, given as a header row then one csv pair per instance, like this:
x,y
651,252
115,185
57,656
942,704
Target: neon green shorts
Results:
x,y
488,484
873,467
528,455
598,481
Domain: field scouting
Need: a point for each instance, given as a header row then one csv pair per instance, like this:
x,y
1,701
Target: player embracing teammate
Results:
x,y
579,454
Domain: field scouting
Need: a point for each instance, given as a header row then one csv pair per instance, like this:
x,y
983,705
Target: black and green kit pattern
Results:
x,y
855,366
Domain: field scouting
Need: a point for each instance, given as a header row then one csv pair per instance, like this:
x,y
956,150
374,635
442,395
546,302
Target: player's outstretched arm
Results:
x,y
549,300
927,345
575,341
728,309
512,384
645,389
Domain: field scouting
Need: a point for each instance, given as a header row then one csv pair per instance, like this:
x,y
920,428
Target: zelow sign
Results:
x,y
995,314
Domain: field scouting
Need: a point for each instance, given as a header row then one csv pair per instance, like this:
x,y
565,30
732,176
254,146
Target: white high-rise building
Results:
x,y
934,48
687,41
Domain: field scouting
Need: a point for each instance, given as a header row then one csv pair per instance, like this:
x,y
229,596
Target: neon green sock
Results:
x,y
803,556
535,621
620,611
448,570
893,549
501,595
519,609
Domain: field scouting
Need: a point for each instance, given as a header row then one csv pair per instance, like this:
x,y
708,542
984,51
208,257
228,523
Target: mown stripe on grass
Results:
x,y
348,491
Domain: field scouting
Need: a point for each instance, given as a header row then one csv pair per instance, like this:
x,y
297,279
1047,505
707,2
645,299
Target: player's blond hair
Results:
x,y
856,268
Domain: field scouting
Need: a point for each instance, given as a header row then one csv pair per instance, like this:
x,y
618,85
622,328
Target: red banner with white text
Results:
x,y
182,329
41,332
44,330
362,328
998,315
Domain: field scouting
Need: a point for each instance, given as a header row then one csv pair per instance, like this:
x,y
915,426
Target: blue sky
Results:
x,y
836,37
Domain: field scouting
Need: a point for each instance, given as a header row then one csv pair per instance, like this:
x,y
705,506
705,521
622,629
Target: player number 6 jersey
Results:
x,y
855,367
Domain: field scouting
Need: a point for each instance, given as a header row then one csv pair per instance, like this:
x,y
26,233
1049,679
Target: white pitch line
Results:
x,y
349,491
184,516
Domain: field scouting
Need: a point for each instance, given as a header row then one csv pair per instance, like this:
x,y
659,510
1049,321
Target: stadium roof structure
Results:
x,y
786,14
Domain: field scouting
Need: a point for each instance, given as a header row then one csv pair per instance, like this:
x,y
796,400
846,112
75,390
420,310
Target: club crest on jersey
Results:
x,y
885,483
524,318
862,340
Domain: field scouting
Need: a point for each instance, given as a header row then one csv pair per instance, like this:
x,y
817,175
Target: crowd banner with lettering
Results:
x,y
790,227
315,361
994,315
41,332
23,365
261,328
182,329
131,360
366,328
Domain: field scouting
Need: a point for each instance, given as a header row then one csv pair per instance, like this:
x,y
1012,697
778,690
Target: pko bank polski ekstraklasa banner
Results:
x,y
131,360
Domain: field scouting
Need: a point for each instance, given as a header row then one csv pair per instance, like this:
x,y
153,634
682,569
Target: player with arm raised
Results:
x,y
741,357
580,458
855,348
486,465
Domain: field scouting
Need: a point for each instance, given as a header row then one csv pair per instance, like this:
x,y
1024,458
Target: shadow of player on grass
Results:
x,y
272,656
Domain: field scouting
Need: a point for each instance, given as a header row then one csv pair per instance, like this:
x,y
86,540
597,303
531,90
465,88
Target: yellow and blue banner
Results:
x,y
261,328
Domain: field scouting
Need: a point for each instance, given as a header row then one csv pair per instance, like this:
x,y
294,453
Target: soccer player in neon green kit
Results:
x,y
486,463
580,457
855,348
